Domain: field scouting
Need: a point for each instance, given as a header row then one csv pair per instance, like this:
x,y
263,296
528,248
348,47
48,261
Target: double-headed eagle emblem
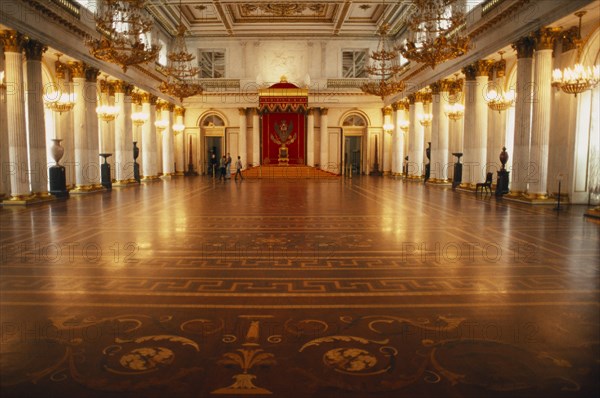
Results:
x,y
284,133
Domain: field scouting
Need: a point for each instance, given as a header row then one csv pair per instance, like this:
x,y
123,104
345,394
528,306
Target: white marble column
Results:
x,y
412,168
416,158
439,132
496,127
476,120
256,161
179,146
15,107
310,138
168,142
123,135
4,156
148,149
541,112
92,168
398,139
524,86
386,144
324,158
242,142
80,121
38,164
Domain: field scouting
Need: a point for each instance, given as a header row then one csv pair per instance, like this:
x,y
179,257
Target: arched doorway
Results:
x,y
212,140
354,128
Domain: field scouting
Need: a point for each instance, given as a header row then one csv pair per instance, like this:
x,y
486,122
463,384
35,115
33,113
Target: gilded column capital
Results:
x,y
396,106
91,74
424,97
524,47
136,98
179,111
77,69
170,107
148,98
570,39
446,85
435,87
412,98
482,67
324,111
500,68
470,72
242,111
160,105
310,111
34,50
13,41
387,111
544,38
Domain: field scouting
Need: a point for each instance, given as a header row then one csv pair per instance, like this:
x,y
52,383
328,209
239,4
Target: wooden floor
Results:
x,y
368,287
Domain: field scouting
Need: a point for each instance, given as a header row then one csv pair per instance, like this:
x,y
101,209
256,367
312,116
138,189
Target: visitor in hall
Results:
x,y
228,166
223,168
238,168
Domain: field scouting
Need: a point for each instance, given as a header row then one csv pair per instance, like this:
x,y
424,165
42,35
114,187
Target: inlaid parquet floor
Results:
x,y
360,288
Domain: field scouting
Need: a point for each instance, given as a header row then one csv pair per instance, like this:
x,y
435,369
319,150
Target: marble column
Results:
x,y
496,123
523,104
123,135
80,122
310,137
564,122
324,158
149,169
398,138
168,142
412,168
386,144
242,142
476,120
92,168
255,138
416,157
439,131
179,146
541,112
38,164
15,106
64,123
4,156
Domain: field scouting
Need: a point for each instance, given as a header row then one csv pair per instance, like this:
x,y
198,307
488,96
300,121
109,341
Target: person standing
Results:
x,y
228,166
238,168
213,164
222,168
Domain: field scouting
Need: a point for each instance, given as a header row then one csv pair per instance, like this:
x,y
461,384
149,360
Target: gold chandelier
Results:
x,y
384,66
181,75
435,26
58,100
577,79
124,29
425,119
500,101
455,111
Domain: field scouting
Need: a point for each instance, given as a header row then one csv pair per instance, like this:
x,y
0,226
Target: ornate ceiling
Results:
x,y
218,18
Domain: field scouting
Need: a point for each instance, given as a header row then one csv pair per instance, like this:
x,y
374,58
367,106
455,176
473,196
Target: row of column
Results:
x,y
483,135
24,149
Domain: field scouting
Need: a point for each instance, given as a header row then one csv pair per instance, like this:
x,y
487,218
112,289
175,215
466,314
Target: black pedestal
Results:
x,y
457,178
105,173
136,171
427,172
502,182
58,181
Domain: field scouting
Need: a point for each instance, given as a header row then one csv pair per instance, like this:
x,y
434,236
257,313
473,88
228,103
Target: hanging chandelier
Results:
x,y
436,32
383,67
425,119
125,29
181,75
579,78
59,101
500,101
455,111
404,125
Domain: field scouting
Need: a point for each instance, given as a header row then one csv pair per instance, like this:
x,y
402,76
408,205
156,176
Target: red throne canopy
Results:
x,y
283,107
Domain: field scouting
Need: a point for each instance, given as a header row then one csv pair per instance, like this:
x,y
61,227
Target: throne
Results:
x,y
283,155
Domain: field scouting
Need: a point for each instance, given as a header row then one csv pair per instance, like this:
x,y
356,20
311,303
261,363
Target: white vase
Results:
x,y
57,150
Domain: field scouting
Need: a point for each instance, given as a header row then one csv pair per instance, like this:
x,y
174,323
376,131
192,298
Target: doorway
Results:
x,y
352,154
213,145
